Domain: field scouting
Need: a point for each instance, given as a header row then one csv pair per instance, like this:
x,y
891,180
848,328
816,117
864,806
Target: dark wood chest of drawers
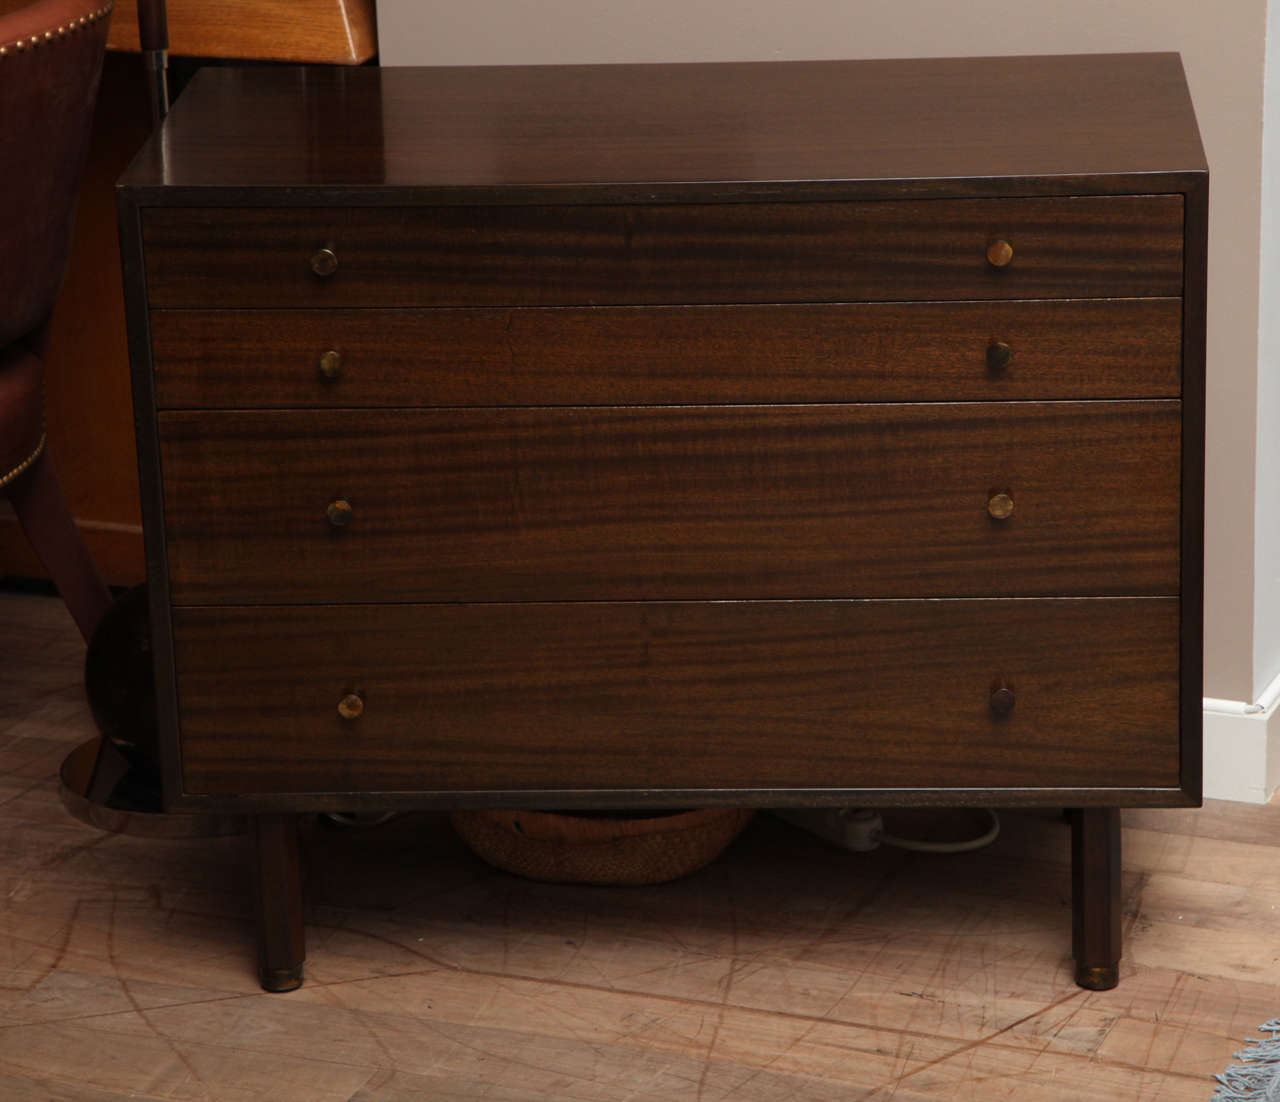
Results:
x,y
767,434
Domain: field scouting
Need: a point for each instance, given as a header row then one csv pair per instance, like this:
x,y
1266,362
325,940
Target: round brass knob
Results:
x,y
324,262
1002,700
351,706
999,253
339,512
999,355
1000,506
330,364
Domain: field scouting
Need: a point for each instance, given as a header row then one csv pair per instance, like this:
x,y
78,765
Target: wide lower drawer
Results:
x,y
1086,247
868,352
962,499
857,695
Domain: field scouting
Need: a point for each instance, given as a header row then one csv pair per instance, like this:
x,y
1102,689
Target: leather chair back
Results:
x,y
50,64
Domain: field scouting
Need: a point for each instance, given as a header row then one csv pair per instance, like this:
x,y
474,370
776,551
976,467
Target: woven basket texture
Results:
x,y
574,849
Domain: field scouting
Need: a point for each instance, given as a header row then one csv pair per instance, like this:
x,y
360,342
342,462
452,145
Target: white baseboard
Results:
x,y
1241,751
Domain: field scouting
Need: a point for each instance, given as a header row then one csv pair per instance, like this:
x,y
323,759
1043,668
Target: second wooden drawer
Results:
x,y
658,355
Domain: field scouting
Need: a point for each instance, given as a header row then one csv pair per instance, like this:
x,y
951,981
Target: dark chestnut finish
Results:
x,y
1096,896
668,355
692,502
690,253
1073,125
278,896
801,434
1193,415
768,696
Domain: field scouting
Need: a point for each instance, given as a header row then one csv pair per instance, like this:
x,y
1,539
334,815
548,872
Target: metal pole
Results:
x,y
153,36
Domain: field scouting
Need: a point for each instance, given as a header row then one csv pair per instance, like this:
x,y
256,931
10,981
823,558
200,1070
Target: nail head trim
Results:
x,y
61,31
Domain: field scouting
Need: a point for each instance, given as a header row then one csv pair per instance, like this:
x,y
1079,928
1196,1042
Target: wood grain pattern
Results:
x,y
1084,124
1087,247
768,695
336,32
1118,348
689,502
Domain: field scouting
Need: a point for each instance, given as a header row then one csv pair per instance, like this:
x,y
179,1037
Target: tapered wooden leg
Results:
x,y
278,891
1095,896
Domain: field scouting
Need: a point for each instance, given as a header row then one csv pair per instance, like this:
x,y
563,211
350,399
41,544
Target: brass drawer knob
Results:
x,y
324,262
1002,699
999,253
339,512
999,355
330,364
351,706
1000,505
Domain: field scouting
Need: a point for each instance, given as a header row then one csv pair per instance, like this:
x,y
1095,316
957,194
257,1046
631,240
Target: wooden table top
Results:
x,y
722,131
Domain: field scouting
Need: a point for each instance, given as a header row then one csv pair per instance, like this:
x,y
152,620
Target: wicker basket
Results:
x,y
581,849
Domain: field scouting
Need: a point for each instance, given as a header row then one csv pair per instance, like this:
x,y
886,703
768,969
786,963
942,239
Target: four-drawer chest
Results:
x,y
791,434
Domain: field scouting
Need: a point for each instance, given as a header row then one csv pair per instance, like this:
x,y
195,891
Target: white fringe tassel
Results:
x,y
1257,1077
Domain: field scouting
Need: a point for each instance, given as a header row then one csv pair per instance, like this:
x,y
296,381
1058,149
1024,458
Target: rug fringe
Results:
x,y
1257,1077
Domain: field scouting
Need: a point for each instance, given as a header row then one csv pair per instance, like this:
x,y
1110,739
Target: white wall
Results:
x,y
1223,49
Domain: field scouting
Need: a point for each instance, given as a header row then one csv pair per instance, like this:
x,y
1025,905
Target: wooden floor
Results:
x,y
785,972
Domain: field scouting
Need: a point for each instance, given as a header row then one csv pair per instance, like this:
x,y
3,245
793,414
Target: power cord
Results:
x,y
992,833
861,829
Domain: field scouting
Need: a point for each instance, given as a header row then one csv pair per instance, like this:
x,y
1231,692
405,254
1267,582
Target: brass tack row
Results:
x,y
61,31
9,476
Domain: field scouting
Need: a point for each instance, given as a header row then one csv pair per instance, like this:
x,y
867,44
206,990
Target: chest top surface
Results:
x,y
716,132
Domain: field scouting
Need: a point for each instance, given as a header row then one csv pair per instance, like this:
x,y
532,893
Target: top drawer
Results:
x,y
1091,247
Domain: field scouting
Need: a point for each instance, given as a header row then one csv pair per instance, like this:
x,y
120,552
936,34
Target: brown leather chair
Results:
x,y
50,63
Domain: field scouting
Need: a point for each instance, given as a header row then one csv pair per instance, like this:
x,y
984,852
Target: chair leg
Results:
x,y
38,501
278,894
1095,896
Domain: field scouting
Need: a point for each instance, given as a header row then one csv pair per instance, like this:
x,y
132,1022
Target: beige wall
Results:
x,y
1222,46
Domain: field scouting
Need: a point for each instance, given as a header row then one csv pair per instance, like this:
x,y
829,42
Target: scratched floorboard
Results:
x,y
785,972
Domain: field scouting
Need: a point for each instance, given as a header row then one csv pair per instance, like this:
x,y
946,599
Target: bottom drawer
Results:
x,y
773,695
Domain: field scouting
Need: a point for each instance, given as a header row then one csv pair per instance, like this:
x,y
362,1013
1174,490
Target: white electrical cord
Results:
x,y
946,847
